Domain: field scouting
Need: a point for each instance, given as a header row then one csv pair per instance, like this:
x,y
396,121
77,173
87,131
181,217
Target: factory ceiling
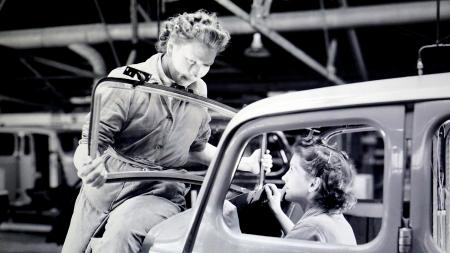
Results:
x,y
54,51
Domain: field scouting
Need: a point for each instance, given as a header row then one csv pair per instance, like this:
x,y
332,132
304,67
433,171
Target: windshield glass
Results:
x,y
155,128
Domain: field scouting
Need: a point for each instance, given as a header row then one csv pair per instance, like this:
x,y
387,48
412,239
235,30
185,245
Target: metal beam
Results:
x,y
134,31
47,84
144,14
65,67
20,101
351,33
378,15
282,42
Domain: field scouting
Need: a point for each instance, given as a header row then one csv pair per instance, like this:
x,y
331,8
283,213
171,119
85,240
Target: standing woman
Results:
x,y
141,131
319,180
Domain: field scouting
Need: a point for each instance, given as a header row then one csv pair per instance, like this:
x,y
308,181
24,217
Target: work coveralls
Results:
x,y
137,131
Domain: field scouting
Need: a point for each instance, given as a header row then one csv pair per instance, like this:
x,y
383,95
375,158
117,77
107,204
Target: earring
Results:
x,y
314,185
311,187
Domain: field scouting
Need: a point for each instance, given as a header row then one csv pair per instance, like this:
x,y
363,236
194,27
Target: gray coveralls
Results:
x,y
138,131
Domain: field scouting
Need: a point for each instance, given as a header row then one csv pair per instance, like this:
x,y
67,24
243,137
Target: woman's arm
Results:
x,y
114,110
274,196
203,157
249,163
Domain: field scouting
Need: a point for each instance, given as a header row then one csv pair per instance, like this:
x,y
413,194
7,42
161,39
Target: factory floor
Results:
x,y
19,242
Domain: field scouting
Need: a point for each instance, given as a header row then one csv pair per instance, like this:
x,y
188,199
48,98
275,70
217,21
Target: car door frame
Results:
x,y
208,231
428,116
152,88
27,165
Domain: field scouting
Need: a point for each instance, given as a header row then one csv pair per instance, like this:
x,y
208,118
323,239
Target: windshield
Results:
x,y
157,131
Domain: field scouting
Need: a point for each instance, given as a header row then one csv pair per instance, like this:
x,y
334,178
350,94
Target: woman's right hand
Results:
x,y
274,195
91,172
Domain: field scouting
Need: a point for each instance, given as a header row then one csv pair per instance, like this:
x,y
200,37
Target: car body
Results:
x,y
409,114
396,131
38,180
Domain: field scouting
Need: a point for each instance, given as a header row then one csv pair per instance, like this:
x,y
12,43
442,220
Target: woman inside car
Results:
x,y
319,180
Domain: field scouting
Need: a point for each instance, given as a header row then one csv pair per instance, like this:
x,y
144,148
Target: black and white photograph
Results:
x,y
243,126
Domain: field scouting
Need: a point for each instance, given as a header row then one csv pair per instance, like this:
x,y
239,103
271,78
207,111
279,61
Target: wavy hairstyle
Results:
x,y
335,170
200,25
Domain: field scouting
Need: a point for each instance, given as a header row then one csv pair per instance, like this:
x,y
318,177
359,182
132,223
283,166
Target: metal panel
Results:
x,y
427,118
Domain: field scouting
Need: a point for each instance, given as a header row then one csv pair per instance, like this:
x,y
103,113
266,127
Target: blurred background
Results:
x,y
53,52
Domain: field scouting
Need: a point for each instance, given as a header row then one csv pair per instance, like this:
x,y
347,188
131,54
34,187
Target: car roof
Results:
x,y
386,91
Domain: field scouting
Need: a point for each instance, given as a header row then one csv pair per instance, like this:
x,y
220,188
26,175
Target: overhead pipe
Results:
x,y
94,58
387,14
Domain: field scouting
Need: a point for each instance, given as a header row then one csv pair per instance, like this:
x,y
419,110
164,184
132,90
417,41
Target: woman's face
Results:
x,y
190,61
297,182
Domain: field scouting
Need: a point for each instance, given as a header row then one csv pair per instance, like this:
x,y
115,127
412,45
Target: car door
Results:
x,y
27,166
9,162
430,170
209,231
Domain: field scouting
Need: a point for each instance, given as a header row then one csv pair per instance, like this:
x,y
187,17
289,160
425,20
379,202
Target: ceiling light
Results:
x,y
257,49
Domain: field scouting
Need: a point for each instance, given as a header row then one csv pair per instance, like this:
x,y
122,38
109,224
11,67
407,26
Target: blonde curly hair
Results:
x,y
200,25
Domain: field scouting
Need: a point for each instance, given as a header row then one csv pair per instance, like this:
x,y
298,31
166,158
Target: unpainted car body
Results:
x,y
407,112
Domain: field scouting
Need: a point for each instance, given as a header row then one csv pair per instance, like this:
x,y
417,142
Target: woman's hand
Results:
x,y
274,195
91,172
252,163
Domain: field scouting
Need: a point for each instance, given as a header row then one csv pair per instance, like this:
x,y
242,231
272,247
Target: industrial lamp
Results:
x,y
257,49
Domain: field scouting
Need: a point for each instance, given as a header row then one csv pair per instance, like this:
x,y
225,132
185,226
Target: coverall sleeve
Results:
x,y
203,134
115,105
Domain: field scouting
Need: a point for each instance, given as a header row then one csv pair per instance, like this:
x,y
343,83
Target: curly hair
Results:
x,y
199,25
335,170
